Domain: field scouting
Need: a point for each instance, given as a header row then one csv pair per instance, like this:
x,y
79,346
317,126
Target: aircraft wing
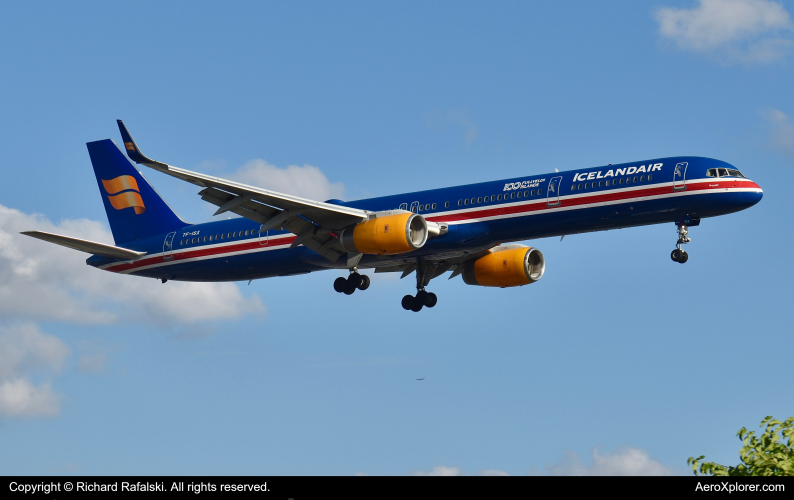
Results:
x,y
87,246
313,221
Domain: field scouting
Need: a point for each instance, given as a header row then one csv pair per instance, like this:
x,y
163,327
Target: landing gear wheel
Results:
x,y
340,284
421,297
408,302
364,282
416,306
431,300
676,255
354,280
684,257
350,289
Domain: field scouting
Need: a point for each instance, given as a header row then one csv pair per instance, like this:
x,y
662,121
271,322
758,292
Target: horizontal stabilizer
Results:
x,y
87,246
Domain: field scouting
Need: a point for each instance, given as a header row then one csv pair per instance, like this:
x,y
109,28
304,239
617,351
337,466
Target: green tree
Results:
x,y
766,455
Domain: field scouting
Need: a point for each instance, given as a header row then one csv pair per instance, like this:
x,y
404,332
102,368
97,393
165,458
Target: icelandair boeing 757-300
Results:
x,y
469,230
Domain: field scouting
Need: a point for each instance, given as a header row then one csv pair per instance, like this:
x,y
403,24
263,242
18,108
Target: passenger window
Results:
x,y
519,194
466,201
499,197
446,204
472,201
650,176
635,179
460,202
193,241
434,206
642,178
181,242
246,232
600,183
573,188
479,199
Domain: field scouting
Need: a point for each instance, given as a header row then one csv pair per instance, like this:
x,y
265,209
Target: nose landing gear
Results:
x,y
679,255
353,282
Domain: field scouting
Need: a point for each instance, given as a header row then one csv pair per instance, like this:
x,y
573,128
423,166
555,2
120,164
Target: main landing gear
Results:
x,y
422,297
353,282
679,255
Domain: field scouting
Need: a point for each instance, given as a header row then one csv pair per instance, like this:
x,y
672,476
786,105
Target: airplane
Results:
x,y
470,230
420,378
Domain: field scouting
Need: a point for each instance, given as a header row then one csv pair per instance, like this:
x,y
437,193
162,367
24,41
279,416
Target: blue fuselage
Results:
x,y
479,216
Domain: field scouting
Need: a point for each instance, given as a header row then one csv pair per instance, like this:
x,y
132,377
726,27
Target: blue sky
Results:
x,y
618,361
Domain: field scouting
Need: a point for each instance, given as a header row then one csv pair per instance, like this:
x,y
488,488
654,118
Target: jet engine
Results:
x,y
506,266
388,234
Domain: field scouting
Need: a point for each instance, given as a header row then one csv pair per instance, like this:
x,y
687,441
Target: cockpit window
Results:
x,y
735,173
723,172
712,172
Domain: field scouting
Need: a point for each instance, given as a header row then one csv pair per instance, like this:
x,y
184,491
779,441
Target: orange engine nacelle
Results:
x,y
506,265
389,234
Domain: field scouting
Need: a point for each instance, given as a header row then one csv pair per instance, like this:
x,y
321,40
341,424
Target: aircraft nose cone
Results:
x,y
752,197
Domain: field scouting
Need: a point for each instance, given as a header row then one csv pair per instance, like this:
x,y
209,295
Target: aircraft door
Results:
x,y
168,246
264,238
679,177
404,206
553,192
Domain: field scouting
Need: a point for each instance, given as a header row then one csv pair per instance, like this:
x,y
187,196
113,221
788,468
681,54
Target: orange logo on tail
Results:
x,y
129,198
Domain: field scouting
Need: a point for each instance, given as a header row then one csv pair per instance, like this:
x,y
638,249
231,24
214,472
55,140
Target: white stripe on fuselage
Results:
x,y
470,210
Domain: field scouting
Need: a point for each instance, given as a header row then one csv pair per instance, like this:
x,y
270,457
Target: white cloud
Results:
x,y
24,350
40,280
741,30
492,472
440,470
307,181
458,118
443,470
624,462
782,131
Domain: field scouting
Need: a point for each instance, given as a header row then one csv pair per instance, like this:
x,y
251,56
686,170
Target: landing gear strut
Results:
x,y
423,297
353,282
679,255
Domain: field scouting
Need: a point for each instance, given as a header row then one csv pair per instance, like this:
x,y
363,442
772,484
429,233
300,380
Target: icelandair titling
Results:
x,y
589,176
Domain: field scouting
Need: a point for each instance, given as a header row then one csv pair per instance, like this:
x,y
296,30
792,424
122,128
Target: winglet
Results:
x,y
134,152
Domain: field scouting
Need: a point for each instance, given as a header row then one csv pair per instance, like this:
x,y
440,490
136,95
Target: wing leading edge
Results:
x,y
312,221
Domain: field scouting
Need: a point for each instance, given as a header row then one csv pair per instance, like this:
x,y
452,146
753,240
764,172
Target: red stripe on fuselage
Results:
x,y
471,213
201,252
589,199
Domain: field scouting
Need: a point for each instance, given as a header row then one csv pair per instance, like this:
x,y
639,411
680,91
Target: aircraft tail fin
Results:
x,y
134,209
